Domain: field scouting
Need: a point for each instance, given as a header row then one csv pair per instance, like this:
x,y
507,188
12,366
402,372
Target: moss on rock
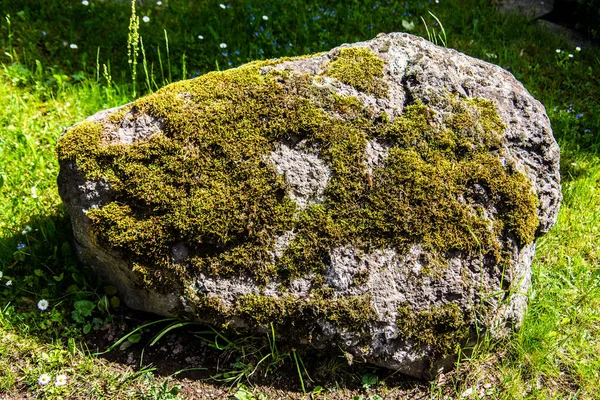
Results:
x,y
205,183
359,68
444,328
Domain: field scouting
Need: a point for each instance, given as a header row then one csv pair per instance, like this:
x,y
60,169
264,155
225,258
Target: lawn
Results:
x,y
62,61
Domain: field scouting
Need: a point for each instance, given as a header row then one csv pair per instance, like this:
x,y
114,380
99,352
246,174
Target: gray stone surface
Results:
x,y
415,70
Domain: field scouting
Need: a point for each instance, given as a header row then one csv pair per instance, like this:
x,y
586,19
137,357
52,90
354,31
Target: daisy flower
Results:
x,y
42,304
61,380
44,379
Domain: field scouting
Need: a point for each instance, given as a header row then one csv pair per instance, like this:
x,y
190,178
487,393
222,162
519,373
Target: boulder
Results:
x,y
382,198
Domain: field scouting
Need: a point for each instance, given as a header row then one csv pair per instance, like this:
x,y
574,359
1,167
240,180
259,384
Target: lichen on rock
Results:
x,y
266,195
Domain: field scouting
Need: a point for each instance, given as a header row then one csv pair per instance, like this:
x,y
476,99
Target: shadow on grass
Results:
x,y
40,262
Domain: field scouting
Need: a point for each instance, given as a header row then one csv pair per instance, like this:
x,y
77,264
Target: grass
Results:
x,y
46,85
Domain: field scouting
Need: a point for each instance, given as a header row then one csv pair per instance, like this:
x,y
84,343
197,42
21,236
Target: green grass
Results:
x,y
45,85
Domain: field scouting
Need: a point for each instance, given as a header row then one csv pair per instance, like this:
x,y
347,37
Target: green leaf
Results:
x,y
408,25
59,277
103,304
87,328
110,290
135,338
369,380
115,302
71,346
38,272
72,289
77,278
84,307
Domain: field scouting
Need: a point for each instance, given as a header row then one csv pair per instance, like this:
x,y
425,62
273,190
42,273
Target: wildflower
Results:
x,y
61,380
579,115
85,2
558,51
42,304
237,52
146,18
8,283
577,48
587,130
265,17
1,274
159,3
570,55
73,46
200,37
44,33
224,54
223,45
19,247
44,379
222,6
229,63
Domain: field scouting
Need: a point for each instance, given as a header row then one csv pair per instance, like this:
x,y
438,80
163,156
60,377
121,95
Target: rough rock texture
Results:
x,y
382,198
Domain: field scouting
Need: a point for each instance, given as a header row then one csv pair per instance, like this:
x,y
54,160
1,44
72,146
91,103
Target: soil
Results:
x,y
186,349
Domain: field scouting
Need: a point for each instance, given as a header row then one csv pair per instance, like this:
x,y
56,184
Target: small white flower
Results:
x,y
146,18
73,46
265,17
42,304
577,48
8,283
570,55
222,6
26,230
44,379
61,380
558,50
223,45
85,2
200,37
1,274
159,3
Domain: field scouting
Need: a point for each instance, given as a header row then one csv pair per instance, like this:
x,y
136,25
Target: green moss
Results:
x,y
81,144
444,328
205,183
359,68
288,313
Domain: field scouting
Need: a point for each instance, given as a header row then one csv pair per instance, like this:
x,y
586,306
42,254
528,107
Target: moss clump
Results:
x,y
361,69
205,183
445,328
293,314
80,144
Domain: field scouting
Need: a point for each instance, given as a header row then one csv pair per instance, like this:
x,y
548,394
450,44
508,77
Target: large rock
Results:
x,y
382,198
